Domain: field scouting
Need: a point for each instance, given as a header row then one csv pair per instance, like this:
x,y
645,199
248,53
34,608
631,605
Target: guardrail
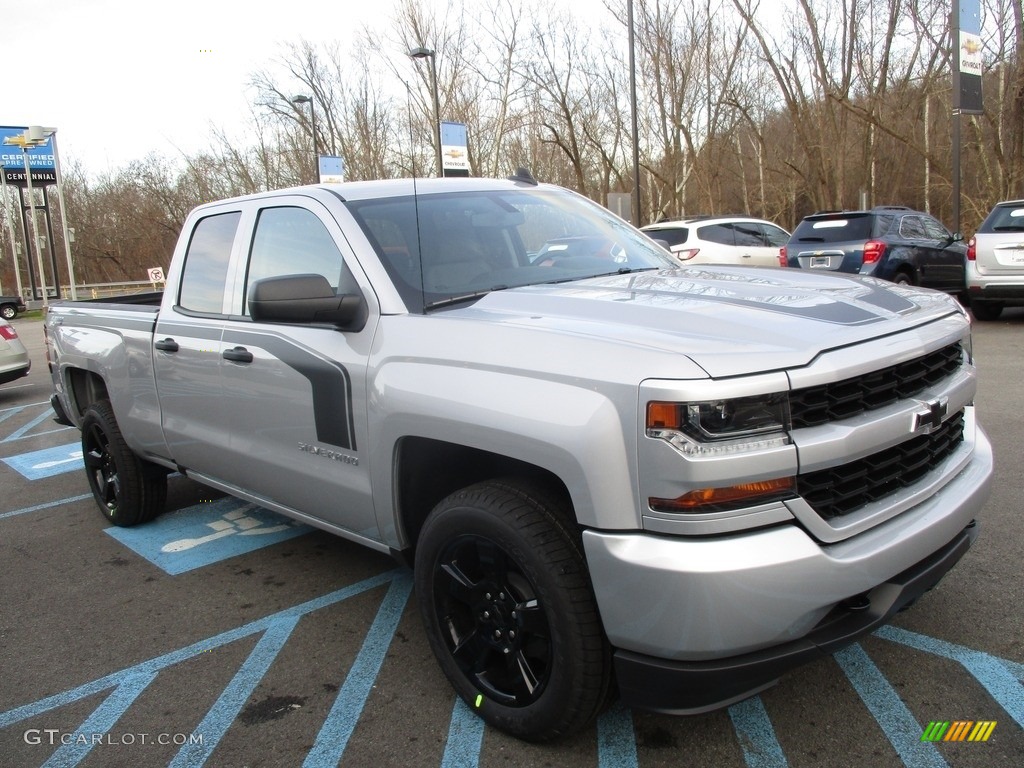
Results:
x,y
92,291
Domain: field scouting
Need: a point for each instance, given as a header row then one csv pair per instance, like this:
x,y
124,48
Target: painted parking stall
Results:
x,y
218,609
190,538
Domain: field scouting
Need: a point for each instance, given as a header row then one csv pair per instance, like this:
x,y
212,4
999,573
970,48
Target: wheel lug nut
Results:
x,y
487,596
511,635
487,614
501,595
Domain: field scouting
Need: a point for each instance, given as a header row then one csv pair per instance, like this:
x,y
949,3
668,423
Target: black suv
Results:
x,y
888,242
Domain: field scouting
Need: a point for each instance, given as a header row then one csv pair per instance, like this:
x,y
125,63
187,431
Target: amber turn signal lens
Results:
x,y
664,416
716,499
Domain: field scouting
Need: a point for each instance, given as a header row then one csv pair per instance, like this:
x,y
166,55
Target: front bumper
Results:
x,y
749,605
687,688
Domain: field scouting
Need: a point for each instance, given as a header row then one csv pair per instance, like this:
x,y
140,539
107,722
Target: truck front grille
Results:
x,y
838,400
844,489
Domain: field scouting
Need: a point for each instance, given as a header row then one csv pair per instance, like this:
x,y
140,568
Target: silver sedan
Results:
x,y
14,360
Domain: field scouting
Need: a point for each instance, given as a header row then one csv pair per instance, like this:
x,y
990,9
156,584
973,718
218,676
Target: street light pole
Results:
x,y
35,228
312,123
634,131
52,133
424,53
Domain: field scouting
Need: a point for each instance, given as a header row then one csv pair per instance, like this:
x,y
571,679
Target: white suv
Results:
x,y
995,261
721,240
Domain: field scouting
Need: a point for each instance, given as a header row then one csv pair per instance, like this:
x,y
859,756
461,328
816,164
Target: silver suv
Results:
x,y
995,261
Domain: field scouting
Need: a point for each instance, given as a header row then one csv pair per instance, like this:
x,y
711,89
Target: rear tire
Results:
x,y
506,599
902,278
986,310
127,489
8,311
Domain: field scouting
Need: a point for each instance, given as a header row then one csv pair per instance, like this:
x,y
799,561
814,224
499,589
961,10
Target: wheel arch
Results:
x,y
84,388
426,470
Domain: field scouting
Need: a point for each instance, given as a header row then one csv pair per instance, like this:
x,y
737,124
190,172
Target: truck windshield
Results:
x,y
439,248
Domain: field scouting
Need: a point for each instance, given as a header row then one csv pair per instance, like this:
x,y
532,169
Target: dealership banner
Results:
x,y
454,150
11,154
332,169
967,58
12,159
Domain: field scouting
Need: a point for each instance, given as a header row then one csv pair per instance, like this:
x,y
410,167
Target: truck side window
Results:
x,y
292,241
206,263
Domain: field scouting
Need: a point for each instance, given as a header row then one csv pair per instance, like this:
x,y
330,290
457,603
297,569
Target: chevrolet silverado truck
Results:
x,y
611,476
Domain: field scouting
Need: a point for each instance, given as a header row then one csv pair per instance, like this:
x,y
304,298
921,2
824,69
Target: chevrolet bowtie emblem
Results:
x,y
931,419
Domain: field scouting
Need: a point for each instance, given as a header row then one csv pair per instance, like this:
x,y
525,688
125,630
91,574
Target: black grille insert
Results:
x,y
838,400
841,490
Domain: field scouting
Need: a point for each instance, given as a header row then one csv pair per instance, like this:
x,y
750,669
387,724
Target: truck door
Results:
x,y
187,350
295,392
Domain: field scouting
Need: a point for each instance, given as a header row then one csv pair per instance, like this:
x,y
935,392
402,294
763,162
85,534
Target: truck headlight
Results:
x,y
721,426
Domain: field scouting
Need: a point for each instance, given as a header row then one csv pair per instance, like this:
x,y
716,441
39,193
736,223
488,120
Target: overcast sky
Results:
x,y
122,78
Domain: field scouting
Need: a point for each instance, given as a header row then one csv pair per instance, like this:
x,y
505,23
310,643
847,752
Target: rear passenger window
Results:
x,y
911,228
748,234
206,264
717,233
775,236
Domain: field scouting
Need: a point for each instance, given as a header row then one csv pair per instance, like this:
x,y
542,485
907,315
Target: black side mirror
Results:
x,y
305,299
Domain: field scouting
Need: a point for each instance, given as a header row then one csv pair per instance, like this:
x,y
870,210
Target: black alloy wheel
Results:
x,y
506,600
498,633
127,489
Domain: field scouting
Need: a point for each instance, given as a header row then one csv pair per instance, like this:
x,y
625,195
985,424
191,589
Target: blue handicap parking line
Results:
x,y
207,533
889,710
756,735
1000,677
616,738
23,432
465,738
48,462
128,684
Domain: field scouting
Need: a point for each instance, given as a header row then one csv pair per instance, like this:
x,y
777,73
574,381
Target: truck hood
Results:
x,y
728,320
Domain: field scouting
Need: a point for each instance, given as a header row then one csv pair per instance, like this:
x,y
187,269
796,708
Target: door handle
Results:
x,y
237,355
166,345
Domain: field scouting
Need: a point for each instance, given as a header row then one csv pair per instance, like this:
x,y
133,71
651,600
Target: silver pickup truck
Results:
x,y
611,475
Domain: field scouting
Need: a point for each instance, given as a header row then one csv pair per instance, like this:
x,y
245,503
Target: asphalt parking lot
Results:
x,y
223,635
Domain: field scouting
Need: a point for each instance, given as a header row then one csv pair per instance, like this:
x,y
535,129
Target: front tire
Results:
x,y
506,599
127,489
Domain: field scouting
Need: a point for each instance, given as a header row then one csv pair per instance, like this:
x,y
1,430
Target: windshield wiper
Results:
x,y
463,298
619,271
626,271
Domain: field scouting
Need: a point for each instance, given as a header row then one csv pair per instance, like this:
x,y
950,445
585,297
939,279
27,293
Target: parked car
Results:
x,y
14,360
995,261
10,306
721,240
889,242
